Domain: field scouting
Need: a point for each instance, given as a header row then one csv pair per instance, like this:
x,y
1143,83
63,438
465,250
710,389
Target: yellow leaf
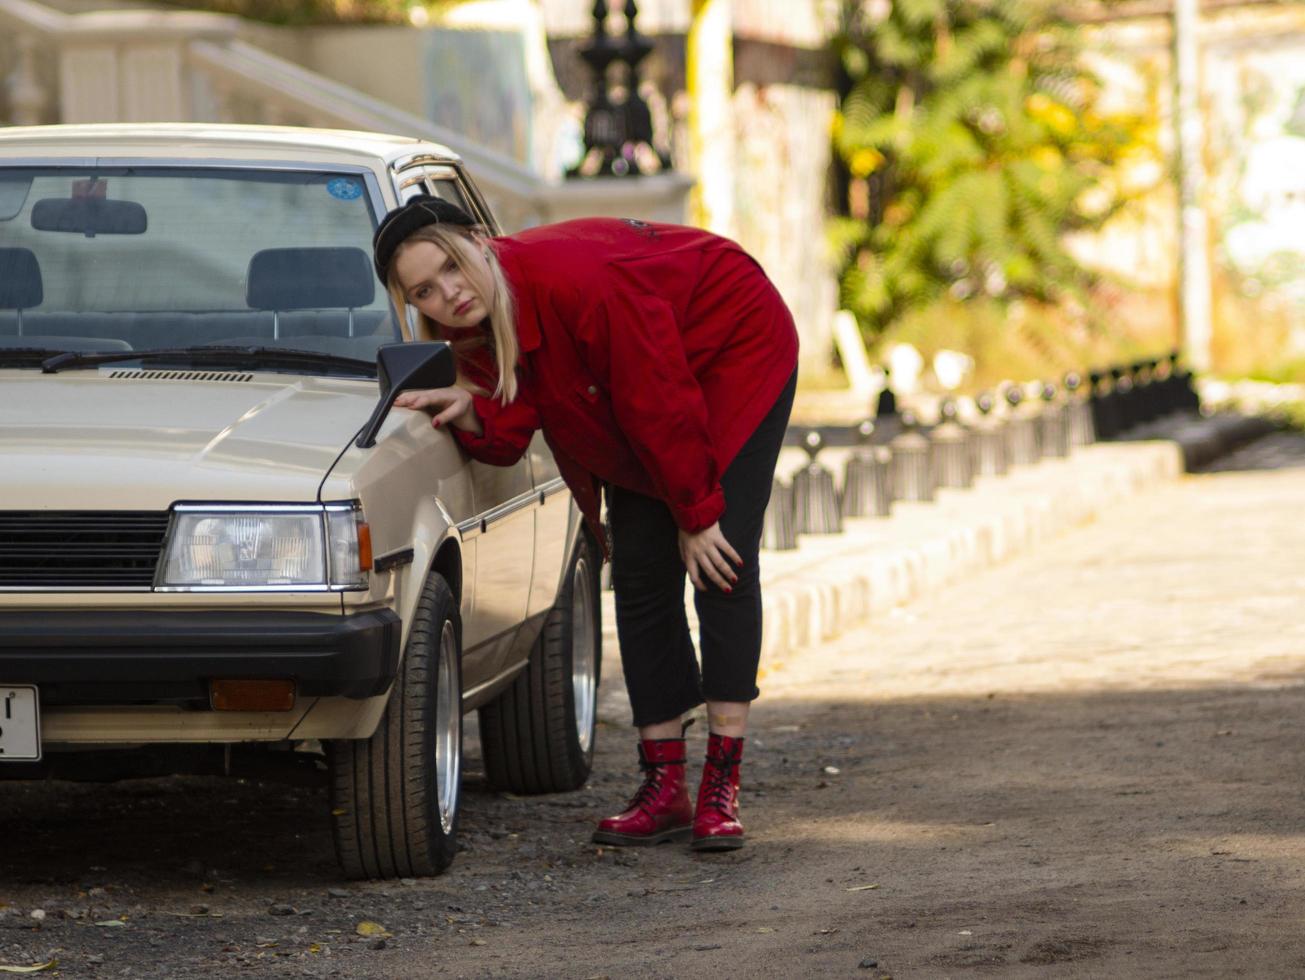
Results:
x,y
337,812
1037,103
315,948
28,969
372,929
865,161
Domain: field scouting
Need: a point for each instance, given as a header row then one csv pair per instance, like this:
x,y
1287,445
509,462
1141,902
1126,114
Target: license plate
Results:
x,y
20,724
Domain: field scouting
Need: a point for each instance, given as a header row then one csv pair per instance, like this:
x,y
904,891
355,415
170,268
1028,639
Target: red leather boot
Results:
x,y
660,810
716,824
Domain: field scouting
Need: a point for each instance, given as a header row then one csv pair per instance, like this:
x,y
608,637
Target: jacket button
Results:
x,y
593,389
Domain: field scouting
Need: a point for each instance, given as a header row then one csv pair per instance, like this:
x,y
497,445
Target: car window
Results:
x,y
450,190
169,257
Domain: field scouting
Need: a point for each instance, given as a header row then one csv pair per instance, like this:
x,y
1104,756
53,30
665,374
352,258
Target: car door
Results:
x,y
552,527
504,539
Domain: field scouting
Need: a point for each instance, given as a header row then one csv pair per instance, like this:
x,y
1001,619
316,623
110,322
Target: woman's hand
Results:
x,y
448,406
705,556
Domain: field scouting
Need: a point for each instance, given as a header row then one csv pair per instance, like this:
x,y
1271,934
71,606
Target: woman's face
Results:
x,y
432,282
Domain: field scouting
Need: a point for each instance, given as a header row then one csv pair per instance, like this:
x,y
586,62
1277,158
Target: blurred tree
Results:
x,y
970,142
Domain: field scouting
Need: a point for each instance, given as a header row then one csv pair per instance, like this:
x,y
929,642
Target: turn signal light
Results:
x,y
251,695
364,547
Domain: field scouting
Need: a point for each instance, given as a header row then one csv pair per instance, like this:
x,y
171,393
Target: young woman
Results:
x,y
660,363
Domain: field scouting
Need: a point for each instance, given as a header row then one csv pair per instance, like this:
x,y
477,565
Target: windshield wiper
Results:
x,y
27,356
243,357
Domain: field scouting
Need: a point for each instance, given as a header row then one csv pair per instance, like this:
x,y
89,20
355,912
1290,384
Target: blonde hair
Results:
x,y
493,291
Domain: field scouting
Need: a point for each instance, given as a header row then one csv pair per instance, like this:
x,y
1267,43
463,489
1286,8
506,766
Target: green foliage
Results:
x,y
972,142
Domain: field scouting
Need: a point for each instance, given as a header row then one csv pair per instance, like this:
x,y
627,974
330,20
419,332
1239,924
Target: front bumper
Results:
x,y
133,657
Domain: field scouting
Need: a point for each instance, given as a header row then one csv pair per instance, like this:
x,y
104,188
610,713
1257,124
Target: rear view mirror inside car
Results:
x,y
89,216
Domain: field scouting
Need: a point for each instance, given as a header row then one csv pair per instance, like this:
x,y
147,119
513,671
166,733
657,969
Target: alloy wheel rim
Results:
x,y
448,730
584,659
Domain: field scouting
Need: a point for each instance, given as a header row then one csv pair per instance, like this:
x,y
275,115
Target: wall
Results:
x,y
481,69
1253,98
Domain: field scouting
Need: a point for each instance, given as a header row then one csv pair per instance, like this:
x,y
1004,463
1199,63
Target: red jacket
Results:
x,y
649,355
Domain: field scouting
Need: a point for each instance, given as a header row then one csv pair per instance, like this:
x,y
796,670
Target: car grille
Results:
x,y
80,549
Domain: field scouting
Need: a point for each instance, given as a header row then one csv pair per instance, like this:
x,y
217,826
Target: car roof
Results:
x,y
193,140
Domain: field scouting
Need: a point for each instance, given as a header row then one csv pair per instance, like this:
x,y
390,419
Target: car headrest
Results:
x,y
310,279
20,279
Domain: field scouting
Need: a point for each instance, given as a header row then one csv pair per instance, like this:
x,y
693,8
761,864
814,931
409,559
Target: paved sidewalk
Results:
x,y
832,583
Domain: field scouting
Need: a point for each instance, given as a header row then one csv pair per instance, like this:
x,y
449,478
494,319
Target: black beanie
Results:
x,y
419,212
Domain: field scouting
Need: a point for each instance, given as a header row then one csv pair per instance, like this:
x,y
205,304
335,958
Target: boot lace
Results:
x,y
645,795
653,774
718,789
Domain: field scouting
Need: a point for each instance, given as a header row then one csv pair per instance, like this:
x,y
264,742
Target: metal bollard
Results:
x,y
989,439
1154,391
1081,431
1181,393
887,418
777,529
1186,397
866,492
1171,396
953,463
1125,400
1021,432
912,466
1053,425
1102,400
1139,373
815,501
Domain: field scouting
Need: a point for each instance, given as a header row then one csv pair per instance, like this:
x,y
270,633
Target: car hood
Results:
x,y
87,440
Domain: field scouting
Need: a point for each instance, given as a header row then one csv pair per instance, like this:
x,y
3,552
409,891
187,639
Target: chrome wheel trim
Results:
x,y
584,654
448,730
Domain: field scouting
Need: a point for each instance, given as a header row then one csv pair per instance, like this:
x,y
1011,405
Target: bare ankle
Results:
x,y
663,729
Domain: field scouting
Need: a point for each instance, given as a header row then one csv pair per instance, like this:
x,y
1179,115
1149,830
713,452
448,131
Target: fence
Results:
x,y
897,457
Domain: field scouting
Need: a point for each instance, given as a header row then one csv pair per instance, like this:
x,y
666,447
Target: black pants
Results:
x,y
657,655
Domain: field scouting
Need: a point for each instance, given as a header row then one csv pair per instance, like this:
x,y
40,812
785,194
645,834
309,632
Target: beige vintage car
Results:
x,y
213,531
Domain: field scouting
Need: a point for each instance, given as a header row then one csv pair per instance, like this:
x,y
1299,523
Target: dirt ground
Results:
x,y
1085,763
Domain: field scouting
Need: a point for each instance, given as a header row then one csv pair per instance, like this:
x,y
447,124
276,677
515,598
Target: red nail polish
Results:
x,y
437,423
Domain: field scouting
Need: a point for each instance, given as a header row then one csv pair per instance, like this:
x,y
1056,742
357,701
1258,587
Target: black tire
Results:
x,y
532,737
388,816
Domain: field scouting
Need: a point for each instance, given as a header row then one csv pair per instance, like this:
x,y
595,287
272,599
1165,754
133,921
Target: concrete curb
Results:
x,y
833,583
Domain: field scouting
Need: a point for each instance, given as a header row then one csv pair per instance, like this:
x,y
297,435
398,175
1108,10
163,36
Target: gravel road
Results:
x,y
1084,763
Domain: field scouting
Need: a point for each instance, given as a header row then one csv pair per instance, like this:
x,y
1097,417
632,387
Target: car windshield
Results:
x,y
110,259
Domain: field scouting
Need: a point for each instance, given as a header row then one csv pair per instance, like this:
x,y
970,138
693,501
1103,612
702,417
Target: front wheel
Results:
x,y
395,796
538,735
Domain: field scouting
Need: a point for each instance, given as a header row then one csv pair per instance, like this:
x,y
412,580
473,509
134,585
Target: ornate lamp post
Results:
x,y
615,131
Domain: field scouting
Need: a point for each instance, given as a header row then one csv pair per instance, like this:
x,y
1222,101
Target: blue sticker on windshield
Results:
x,y
344,188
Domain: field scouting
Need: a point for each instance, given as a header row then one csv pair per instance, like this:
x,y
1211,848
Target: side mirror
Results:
x,y
405,367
